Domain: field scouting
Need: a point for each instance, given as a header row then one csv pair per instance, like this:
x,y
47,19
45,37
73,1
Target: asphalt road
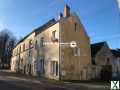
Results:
x,y
8,86
20,85
9,82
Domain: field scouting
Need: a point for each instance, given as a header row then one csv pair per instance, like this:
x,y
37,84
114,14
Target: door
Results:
x,y
40,66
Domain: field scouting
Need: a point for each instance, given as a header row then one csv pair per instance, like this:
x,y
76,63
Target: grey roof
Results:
x,y
115,52
39,29
95,48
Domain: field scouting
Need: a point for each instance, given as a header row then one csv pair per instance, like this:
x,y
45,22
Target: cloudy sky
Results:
x,y
100,18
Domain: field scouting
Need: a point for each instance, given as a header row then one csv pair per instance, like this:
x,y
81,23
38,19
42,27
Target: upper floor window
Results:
x,y
30,43
107,61
54,34
76,51
20,49
42,42
36,44
75,26
17,51
54,38
24,47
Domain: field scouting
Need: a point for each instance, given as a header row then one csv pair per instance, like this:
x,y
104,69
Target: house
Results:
x,y
116,54
102,60
60,49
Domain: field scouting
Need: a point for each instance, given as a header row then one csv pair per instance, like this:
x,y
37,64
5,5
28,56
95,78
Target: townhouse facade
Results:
x,y
48,51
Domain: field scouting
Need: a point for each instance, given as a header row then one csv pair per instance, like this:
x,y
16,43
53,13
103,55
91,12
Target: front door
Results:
x,y
40,66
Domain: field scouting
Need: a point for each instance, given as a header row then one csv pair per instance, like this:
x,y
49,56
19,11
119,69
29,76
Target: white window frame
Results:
x,y
54,34
54,68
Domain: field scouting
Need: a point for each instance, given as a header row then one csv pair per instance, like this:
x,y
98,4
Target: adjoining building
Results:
x,y
60,49
116,54
102,61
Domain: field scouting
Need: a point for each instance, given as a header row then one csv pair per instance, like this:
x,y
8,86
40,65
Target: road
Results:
x,y
12,82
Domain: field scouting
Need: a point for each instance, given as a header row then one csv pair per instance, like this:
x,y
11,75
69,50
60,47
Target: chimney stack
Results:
x,y
66,11
60,16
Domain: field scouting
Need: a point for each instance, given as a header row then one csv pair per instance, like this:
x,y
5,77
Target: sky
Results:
x,y
100,18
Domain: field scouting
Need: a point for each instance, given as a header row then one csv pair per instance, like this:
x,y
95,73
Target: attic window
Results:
x,y
75,26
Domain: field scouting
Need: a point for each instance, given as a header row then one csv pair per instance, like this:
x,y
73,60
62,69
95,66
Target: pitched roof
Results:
x,y
116,53
39,29
96,47
45,26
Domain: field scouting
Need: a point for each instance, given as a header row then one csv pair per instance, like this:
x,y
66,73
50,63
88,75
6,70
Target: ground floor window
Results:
x,y
54,68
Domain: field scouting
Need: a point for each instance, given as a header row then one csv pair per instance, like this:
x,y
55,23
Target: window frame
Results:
x,y
42,39
75,26
54,34
76,51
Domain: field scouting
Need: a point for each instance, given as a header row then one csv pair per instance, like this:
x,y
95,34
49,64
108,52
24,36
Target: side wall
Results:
x,y
74,67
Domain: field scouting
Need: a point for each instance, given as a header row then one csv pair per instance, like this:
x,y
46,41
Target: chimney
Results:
x,y
60,16
66,11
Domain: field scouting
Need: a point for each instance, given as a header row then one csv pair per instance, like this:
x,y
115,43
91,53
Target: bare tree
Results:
x,y
7,42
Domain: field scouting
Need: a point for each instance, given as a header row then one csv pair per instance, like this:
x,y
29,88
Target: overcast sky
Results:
x,y
100,17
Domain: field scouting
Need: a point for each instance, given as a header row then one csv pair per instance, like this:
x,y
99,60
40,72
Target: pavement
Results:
x,y
13,81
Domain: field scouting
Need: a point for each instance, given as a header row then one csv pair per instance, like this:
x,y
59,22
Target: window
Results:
x,y
30,44
54,68
17,51
42,42
54,38
107,61
21,62
36,44
93,61
24,47
76,51
54,34
75,24
30,52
